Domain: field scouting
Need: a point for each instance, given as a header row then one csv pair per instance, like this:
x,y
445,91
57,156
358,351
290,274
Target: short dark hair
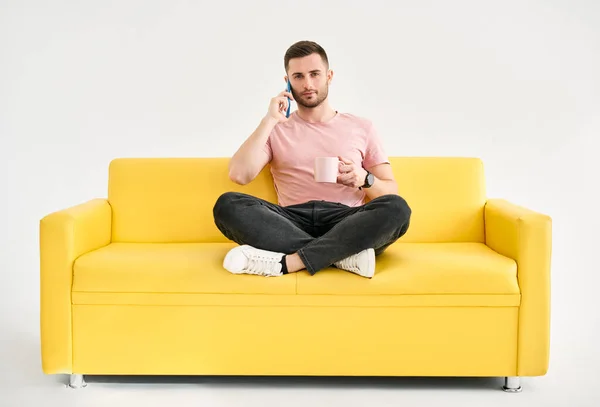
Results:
x,y
304,49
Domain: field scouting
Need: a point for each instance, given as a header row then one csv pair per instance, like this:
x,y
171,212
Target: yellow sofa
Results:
x,y
133,284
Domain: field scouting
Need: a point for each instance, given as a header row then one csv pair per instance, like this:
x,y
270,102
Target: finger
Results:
x,y
286,94
346,168
283,104
346,183
345,178
345,160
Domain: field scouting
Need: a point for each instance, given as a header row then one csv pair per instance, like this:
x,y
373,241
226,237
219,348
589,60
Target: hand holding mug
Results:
x,y
351,175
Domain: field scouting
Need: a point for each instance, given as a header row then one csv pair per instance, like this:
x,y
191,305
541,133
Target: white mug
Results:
x,y
326,169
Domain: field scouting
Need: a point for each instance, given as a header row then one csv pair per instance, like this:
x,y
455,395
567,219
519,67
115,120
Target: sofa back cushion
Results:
x,y
171,199
447,196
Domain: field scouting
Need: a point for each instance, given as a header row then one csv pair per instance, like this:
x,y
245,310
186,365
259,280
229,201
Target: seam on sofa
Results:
x,y
319,294
296,306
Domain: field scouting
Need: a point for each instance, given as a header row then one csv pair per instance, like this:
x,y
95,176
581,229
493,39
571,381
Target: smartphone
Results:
x,y
289,89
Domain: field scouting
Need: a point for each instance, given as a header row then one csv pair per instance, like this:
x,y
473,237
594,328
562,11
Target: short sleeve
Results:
x,y
267,148
374,151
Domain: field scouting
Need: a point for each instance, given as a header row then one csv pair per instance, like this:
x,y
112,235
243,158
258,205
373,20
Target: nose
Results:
x,y
308,84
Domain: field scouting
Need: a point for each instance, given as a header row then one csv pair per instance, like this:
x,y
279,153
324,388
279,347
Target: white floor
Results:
x,y
572,380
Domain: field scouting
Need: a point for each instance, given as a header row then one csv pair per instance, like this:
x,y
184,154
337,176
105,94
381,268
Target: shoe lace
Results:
x,y
262,265
350,262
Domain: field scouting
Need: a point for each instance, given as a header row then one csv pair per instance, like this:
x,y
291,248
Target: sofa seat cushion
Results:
x,y
407,274
169,268
424,268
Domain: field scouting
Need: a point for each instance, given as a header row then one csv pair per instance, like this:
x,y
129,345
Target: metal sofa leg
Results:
x,y
76,381
512,384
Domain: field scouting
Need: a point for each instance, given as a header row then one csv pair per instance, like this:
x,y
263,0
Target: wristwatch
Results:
x,y
369,180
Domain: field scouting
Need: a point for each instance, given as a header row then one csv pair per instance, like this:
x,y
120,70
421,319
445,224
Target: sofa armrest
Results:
x,y
526,237
64,236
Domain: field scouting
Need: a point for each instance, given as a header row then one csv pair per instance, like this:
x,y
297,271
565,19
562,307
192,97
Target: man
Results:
x,y
315,225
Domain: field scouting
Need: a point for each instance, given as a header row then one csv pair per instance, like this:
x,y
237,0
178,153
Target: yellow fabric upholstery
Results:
x,y
179,269
168,268
446,195
295,340
64,236
427,268
171,200
524,235
134,284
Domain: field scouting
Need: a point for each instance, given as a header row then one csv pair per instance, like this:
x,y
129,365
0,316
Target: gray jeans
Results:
x,y
321,232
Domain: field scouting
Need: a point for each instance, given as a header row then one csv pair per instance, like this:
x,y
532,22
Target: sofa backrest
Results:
x,y
172,199
447,196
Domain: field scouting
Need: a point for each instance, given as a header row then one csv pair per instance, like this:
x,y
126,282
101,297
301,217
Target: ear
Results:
x,y
329,76
285,78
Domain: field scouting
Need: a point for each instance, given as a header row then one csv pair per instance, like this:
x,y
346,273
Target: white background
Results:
x,y
516,83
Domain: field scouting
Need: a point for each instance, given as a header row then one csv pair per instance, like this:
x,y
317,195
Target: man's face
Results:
x,y
309,78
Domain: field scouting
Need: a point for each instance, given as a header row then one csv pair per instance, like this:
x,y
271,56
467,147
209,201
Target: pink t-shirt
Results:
x,y
292,147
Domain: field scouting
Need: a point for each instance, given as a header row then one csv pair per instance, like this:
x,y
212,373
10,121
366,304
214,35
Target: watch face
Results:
x,y
370,179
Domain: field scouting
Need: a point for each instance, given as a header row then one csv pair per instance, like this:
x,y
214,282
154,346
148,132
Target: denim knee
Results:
x,y
399,211
225,204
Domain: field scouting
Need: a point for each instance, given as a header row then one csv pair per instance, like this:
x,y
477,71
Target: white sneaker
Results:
x,y
249,260
362,263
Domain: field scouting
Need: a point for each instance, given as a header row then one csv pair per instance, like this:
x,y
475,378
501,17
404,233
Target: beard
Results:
x,y
315,100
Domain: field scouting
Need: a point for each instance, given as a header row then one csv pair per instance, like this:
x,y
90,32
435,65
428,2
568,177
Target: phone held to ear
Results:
x,y
289,89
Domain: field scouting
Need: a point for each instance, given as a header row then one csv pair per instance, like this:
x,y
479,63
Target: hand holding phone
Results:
x,y
280,105
289,89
